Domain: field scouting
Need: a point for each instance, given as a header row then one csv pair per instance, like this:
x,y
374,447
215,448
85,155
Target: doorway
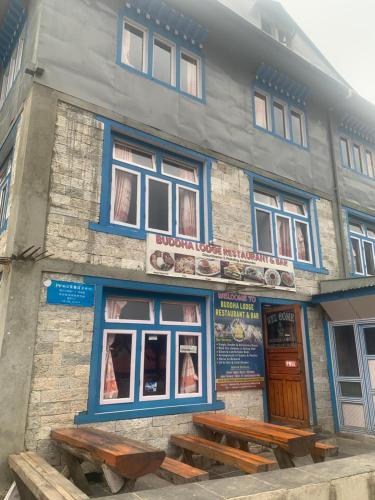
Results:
x,y
285,366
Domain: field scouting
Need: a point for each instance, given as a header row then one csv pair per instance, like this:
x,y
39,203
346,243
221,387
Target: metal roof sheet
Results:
x,y
12,23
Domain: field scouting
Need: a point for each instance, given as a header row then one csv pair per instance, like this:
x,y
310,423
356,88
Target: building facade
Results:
x,y
198,195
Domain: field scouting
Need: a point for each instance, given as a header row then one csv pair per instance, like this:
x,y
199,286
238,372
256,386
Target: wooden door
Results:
x,y
285,367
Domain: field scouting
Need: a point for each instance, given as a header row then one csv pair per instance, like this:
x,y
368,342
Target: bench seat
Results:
x,y
179,473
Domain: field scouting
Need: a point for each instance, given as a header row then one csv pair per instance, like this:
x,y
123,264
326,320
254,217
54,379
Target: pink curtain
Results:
x,y
123,153
113,307
123,195
301,243
192,78
285,248
110,384
188,377
188,213
126,47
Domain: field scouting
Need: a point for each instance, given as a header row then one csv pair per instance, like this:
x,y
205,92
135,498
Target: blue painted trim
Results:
x,y
180,45
281,186
331,377
363,219
364,146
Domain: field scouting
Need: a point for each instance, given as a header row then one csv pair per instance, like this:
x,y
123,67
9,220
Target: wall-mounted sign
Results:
x,y
291,364
70,294
238,342
174,257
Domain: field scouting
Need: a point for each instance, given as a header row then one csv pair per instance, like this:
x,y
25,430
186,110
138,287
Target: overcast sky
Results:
x,y
344,30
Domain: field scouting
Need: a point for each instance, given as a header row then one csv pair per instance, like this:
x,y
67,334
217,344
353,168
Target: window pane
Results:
x,y
117,366
189,75
353,415
184,172
302,241
284,243
264,231
125,208
2,205
370,340
266,26
135,156
351,389
158,205
188,364
261,117
187,213
347,362
355,227
345,152
294,207
279,115
371,232
163,61
154,371
357,257
281,329
133,47
19,55
357,158
297,130
370,164
128,309
179,312
265,198
369,257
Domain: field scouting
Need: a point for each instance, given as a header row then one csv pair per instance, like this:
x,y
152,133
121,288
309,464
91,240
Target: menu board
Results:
x,y
175,257
238,342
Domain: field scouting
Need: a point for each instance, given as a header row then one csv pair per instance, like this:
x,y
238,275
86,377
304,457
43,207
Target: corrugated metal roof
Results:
x,y
342,285
12,23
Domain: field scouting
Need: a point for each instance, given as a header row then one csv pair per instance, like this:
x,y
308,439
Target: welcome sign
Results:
x,y
174,257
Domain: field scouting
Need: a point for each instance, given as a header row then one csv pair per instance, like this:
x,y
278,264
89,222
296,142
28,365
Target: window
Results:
x,y
162,58
362,241
370,164
357,156
275,31
153,190
12,69
344,145
267,26
282,226
5,170
279,118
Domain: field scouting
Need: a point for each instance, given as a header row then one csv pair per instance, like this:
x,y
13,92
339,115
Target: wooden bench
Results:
x,y
322,450
179,473
121,459
35,478
243,460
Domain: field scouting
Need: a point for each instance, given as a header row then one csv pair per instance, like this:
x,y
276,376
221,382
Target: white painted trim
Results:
x,y
167,367
301,114
267,192
113,185
291,200
157,179
177,361
364,255
286,117
361,254
296,221
267,97
183,165
184,323
199,72
279,254
136,148
172,46
271,229
151,321
197,212
130,399
145,43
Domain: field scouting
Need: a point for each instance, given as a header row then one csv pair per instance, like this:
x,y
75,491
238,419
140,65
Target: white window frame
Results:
x,y
172,46
287,136
181,323
349,151
302,204
267,193
12,69
199,72
364,256
130,399
183,165
144,30
368,154
352,223
113,186
147,227
197,212
268,109
302,116
361,255
131,146
167,367
198,394
290,234
295,222
151,321
271,227
359,167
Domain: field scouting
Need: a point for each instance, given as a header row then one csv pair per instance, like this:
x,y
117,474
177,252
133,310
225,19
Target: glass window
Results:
x,y
280,119
302,242
158,207
128,309
346,351
355,227
11,71
261,111
180,171
188,212
357,157
371,232
125,198
189,74
294,207
134,47
4,190
266,198
118,364
351,389
188,364
344,145
264,231
133,155
3,195
369,257
180,312
154,361
284,242
369,333
297,128
281,329
164,61
370,164
357,255
266,26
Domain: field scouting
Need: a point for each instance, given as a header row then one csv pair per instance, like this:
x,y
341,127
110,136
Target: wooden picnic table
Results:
x,y
285,442
121,459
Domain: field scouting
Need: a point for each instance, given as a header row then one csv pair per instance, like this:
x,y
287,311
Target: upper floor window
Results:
x,y
10,72
357,156
161,58
275,31
5,170
362,241
283,225
278,117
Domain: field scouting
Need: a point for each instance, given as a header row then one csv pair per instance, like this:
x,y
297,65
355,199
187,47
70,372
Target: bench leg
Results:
x,y
76,473
114,481
244,445
317,459
129,485
187,457
284,459
23,490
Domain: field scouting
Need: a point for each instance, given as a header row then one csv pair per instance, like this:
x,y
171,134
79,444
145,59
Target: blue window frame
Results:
x,y
152,352
279,117
357,156
362,245
5,172
161,188
285,224
154,52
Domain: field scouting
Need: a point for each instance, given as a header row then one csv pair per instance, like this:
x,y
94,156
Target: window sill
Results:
x,y
281,138
138,234
86,418
310,268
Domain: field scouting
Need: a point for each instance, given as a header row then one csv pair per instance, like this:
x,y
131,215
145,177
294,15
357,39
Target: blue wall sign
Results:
x,y
70,294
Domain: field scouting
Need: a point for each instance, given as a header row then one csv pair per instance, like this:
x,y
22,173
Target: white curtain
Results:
x,y
123,195
114,307
126,47
188,213
110,384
